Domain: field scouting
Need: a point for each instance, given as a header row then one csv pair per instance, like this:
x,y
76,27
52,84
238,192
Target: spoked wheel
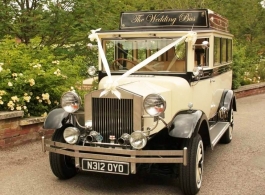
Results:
x,y
62,166
191,175
117,65
228,135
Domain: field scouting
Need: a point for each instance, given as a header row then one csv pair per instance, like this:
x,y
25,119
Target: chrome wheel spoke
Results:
x,y
199,164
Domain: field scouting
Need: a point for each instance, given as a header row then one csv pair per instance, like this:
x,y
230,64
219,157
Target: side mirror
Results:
x,y
92,70
204,45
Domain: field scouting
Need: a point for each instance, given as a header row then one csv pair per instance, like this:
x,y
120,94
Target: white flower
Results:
x,y
45,96
15,98
1,63
25,107
57,72
18,108
37,66
89,45
1,69
2,92
14,74
11,104
27,98
9,84
56,62
31,82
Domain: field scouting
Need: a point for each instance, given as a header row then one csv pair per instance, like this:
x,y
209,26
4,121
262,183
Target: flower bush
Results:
x,y
32,78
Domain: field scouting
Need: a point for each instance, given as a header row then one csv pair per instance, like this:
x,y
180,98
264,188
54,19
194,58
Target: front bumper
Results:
x,y
115,154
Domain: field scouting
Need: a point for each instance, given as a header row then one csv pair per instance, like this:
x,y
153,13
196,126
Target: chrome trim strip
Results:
x,y
133,166
116,151
43,144
132,156
185,156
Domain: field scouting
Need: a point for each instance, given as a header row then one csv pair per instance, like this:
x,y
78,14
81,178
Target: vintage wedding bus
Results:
x,y
164,95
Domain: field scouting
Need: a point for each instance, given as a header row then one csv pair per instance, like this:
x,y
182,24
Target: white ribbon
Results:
x,y
191,37
110,85
94,36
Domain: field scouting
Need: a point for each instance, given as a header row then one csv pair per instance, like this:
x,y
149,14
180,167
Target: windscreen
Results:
x,y
123,55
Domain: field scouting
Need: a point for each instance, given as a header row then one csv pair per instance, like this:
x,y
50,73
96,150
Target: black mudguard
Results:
x,y
185,123
55,119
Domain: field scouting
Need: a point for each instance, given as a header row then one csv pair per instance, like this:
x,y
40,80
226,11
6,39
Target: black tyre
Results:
x,y
228,135
190,176
62,166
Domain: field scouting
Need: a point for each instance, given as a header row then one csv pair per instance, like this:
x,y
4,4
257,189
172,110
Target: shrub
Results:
x,y
32,78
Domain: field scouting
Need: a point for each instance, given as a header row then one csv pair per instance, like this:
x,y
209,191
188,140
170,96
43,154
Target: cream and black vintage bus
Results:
x,y
164,95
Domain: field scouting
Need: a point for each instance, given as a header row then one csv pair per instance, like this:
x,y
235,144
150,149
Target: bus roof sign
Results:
x,y
200,18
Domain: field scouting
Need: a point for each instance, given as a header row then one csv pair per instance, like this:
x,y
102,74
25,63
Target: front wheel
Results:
x,y
191,175
62,166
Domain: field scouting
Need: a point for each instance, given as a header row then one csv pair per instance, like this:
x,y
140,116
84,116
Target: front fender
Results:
x,y
228,98
55,118
185,123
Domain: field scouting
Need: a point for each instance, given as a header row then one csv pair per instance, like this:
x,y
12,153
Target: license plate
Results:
x,y
105,166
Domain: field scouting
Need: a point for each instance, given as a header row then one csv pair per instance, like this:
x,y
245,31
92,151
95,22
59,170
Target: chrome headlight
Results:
x,y
71,135
70,101
138,140
154,104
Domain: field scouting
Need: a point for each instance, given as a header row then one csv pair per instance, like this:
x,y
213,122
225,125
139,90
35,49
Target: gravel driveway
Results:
x,y
237,168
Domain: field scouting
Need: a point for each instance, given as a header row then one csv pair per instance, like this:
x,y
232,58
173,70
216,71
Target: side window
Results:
x,y
217,50
229,50
222,50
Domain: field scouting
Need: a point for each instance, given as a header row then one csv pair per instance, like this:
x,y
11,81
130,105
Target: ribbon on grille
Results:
x,y
110,85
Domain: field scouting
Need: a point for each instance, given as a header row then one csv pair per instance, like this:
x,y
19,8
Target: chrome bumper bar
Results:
x,y
116,154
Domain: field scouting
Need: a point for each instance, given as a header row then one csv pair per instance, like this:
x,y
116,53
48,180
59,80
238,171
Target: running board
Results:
x,y
216,132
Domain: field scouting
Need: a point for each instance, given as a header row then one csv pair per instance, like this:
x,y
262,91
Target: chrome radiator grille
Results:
x,y
112,116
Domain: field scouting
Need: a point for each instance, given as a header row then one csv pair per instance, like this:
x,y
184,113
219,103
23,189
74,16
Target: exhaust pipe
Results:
x,y
124,139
